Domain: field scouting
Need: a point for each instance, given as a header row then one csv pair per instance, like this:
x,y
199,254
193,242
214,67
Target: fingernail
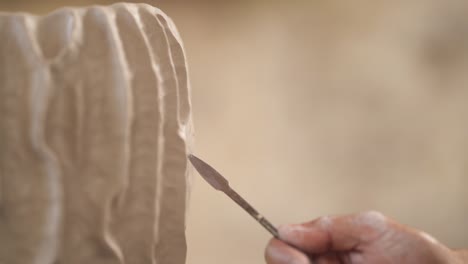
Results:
x,y
283,231
290,231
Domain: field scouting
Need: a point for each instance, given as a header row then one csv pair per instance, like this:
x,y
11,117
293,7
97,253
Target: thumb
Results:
x,y
335,233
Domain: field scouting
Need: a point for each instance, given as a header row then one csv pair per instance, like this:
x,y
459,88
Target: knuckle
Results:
x,y
375,215
324,221
428,237
373,219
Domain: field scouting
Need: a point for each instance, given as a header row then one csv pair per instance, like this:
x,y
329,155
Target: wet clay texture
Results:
x,y
95,128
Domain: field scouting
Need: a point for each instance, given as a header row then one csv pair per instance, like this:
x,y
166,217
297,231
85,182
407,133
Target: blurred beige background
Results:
x,y
323,107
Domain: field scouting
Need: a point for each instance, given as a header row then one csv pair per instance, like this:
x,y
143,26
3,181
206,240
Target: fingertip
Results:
x,y
295,230
310,237
290,232
283,231
278,252
295,234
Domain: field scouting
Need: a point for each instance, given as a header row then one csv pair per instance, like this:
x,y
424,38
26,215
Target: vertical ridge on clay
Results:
x,y
159,108
41,92
175,174
145,143
104,168
55,37
180,67
171,225
36,188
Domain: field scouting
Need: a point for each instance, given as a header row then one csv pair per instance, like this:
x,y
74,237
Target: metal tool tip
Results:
x,y
213,177
193,159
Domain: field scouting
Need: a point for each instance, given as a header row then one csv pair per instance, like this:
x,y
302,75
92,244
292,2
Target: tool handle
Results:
x,y
254,213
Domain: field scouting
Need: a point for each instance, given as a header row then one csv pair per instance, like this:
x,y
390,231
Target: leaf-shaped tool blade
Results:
x,y
208,173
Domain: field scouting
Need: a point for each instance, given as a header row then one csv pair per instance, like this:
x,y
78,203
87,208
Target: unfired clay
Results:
x,y
94,133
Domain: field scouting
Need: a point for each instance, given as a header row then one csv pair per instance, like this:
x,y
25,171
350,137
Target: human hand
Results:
x,y
364,238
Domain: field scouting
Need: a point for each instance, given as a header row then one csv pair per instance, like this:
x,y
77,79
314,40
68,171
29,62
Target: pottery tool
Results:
x,y
220,183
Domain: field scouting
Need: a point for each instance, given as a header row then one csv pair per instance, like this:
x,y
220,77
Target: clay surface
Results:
x,y
94,131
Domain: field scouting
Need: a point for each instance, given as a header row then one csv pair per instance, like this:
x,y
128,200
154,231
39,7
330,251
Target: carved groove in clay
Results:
x,y
94,131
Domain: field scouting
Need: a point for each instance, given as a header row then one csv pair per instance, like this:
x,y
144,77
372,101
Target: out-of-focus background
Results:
x,y
322,107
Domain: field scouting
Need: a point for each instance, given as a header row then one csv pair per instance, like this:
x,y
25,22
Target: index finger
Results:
x,y
337,233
